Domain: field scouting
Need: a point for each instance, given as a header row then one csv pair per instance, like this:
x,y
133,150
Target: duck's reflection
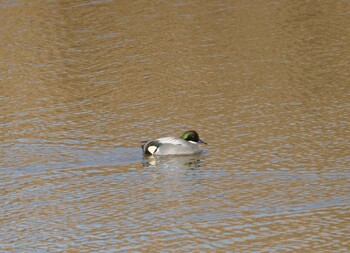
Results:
x,y
173,162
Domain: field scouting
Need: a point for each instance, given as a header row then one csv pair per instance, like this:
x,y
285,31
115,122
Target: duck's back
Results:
x,y
170,146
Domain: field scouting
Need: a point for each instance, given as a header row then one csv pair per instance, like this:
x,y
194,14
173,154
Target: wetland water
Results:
x,y
265,83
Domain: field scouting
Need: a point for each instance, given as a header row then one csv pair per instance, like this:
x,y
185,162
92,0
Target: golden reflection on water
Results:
x,y
264,83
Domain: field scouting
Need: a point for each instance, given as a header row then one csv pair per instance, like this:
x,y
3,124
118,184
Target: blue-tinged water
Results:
x,y
82,84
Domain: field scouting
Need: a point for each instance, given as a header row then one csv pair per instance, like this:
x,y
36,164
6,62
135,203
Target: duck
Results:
x,y
186,144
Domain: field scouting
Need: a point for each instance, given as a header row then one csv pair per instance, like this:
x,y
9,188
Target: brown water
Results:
x,y
265,83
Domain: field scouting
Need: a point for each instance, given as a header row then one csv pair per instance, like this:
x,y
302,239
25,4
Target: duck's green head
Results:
x,y
192,136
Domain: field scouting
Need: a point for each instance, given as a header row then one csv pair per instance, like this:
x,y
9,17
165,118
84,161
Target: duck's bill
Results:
x,y
203,142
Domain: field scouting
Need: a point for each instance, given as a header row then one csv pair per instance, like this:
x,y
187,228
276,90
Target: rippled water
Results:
x,y
266,84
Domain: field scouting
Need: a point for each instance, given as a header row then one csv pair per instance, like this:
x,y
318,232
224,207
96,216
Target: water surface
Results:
x,y
266,84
